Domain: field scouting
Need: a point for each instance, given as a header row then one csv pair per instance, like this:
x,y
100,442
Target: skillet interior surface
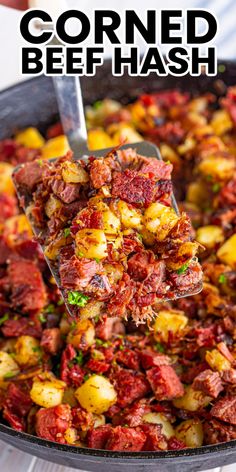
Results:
x,y
33,103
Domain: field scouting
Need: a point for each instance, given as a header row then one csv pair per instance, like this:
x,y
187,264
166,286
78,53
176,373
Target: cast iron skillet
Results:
x,y
33,103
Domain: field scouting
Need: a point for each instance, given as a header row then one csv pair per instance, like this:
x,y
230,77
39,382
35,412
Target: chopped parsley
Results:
x,y
79,358
80,254
99,342
86,377
4,318
40,162
216,187
97,260
66,232
222,279
139,236
77,298
9,375
221,68
42,318
97,104
60,302
96,319
37,349
158,347
121,347
182,269
49,309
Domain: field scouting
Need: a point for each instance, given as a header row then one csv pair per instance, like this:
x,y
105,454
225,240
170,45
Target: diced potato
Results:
x,y
27,350
91,310
47,392
8,366
217,167
125,133
167,321
217,361
31,138
227,252
73,172
99,420
55,147
187,146
115,240
96,394
159,418
183,255
168,154
91,243
18,224
96,114
159,220
130,217
71,435
6,183
190,432
197,193
221,122
192,400
52,250
52,205
83,335
210,235
147,236
69,397
65,326
114,272
111,224
99,139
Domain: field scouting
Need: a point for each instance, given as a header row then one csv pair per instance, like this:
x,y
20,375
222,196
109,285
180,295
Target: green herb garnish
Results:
x,y
60,302
97,104
139,236
158,347
42,318
222,279
9,375
86,377
49,309
66,232
40,162
121,347
221,68
182,269
77,298
96,319
79,358
4,318
216,187
80,254
99,342
97,260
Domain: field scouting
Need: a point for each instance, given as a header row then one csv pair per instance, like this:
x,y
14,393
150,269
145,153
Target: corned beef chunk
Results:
x,y
52,423
129,386
225,410
16,406
28,289
125,439
71,372
165,383
208,382
51,340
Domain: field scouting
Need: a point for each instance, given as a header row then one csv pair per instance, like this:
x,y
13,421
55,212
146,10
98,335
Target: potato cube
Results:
x,y
47,392
111,224
167,321
197,193
99,139
209,236
18,224
125,133
91,310
192,400
30,137
159,220
52,205
73,172
217,361
55,147
27,350
190,432
227,252
221,122
130,217
8,366
6,183
217,167
96,395
52,250
91,243
83,335
159,418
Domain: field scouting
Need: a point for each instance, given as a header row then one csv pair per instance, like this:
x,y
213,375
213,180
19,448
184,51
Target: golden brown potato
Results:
x,y
82,336
192,400
217,361
91,310
8,366
55,147
217,167
130,217
190,432
99,139
73,172
209,236
221,122
6,184
96,395
52,205
91,243
27,351
169,321
47,391
159,219
161,419
31,138
227,252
